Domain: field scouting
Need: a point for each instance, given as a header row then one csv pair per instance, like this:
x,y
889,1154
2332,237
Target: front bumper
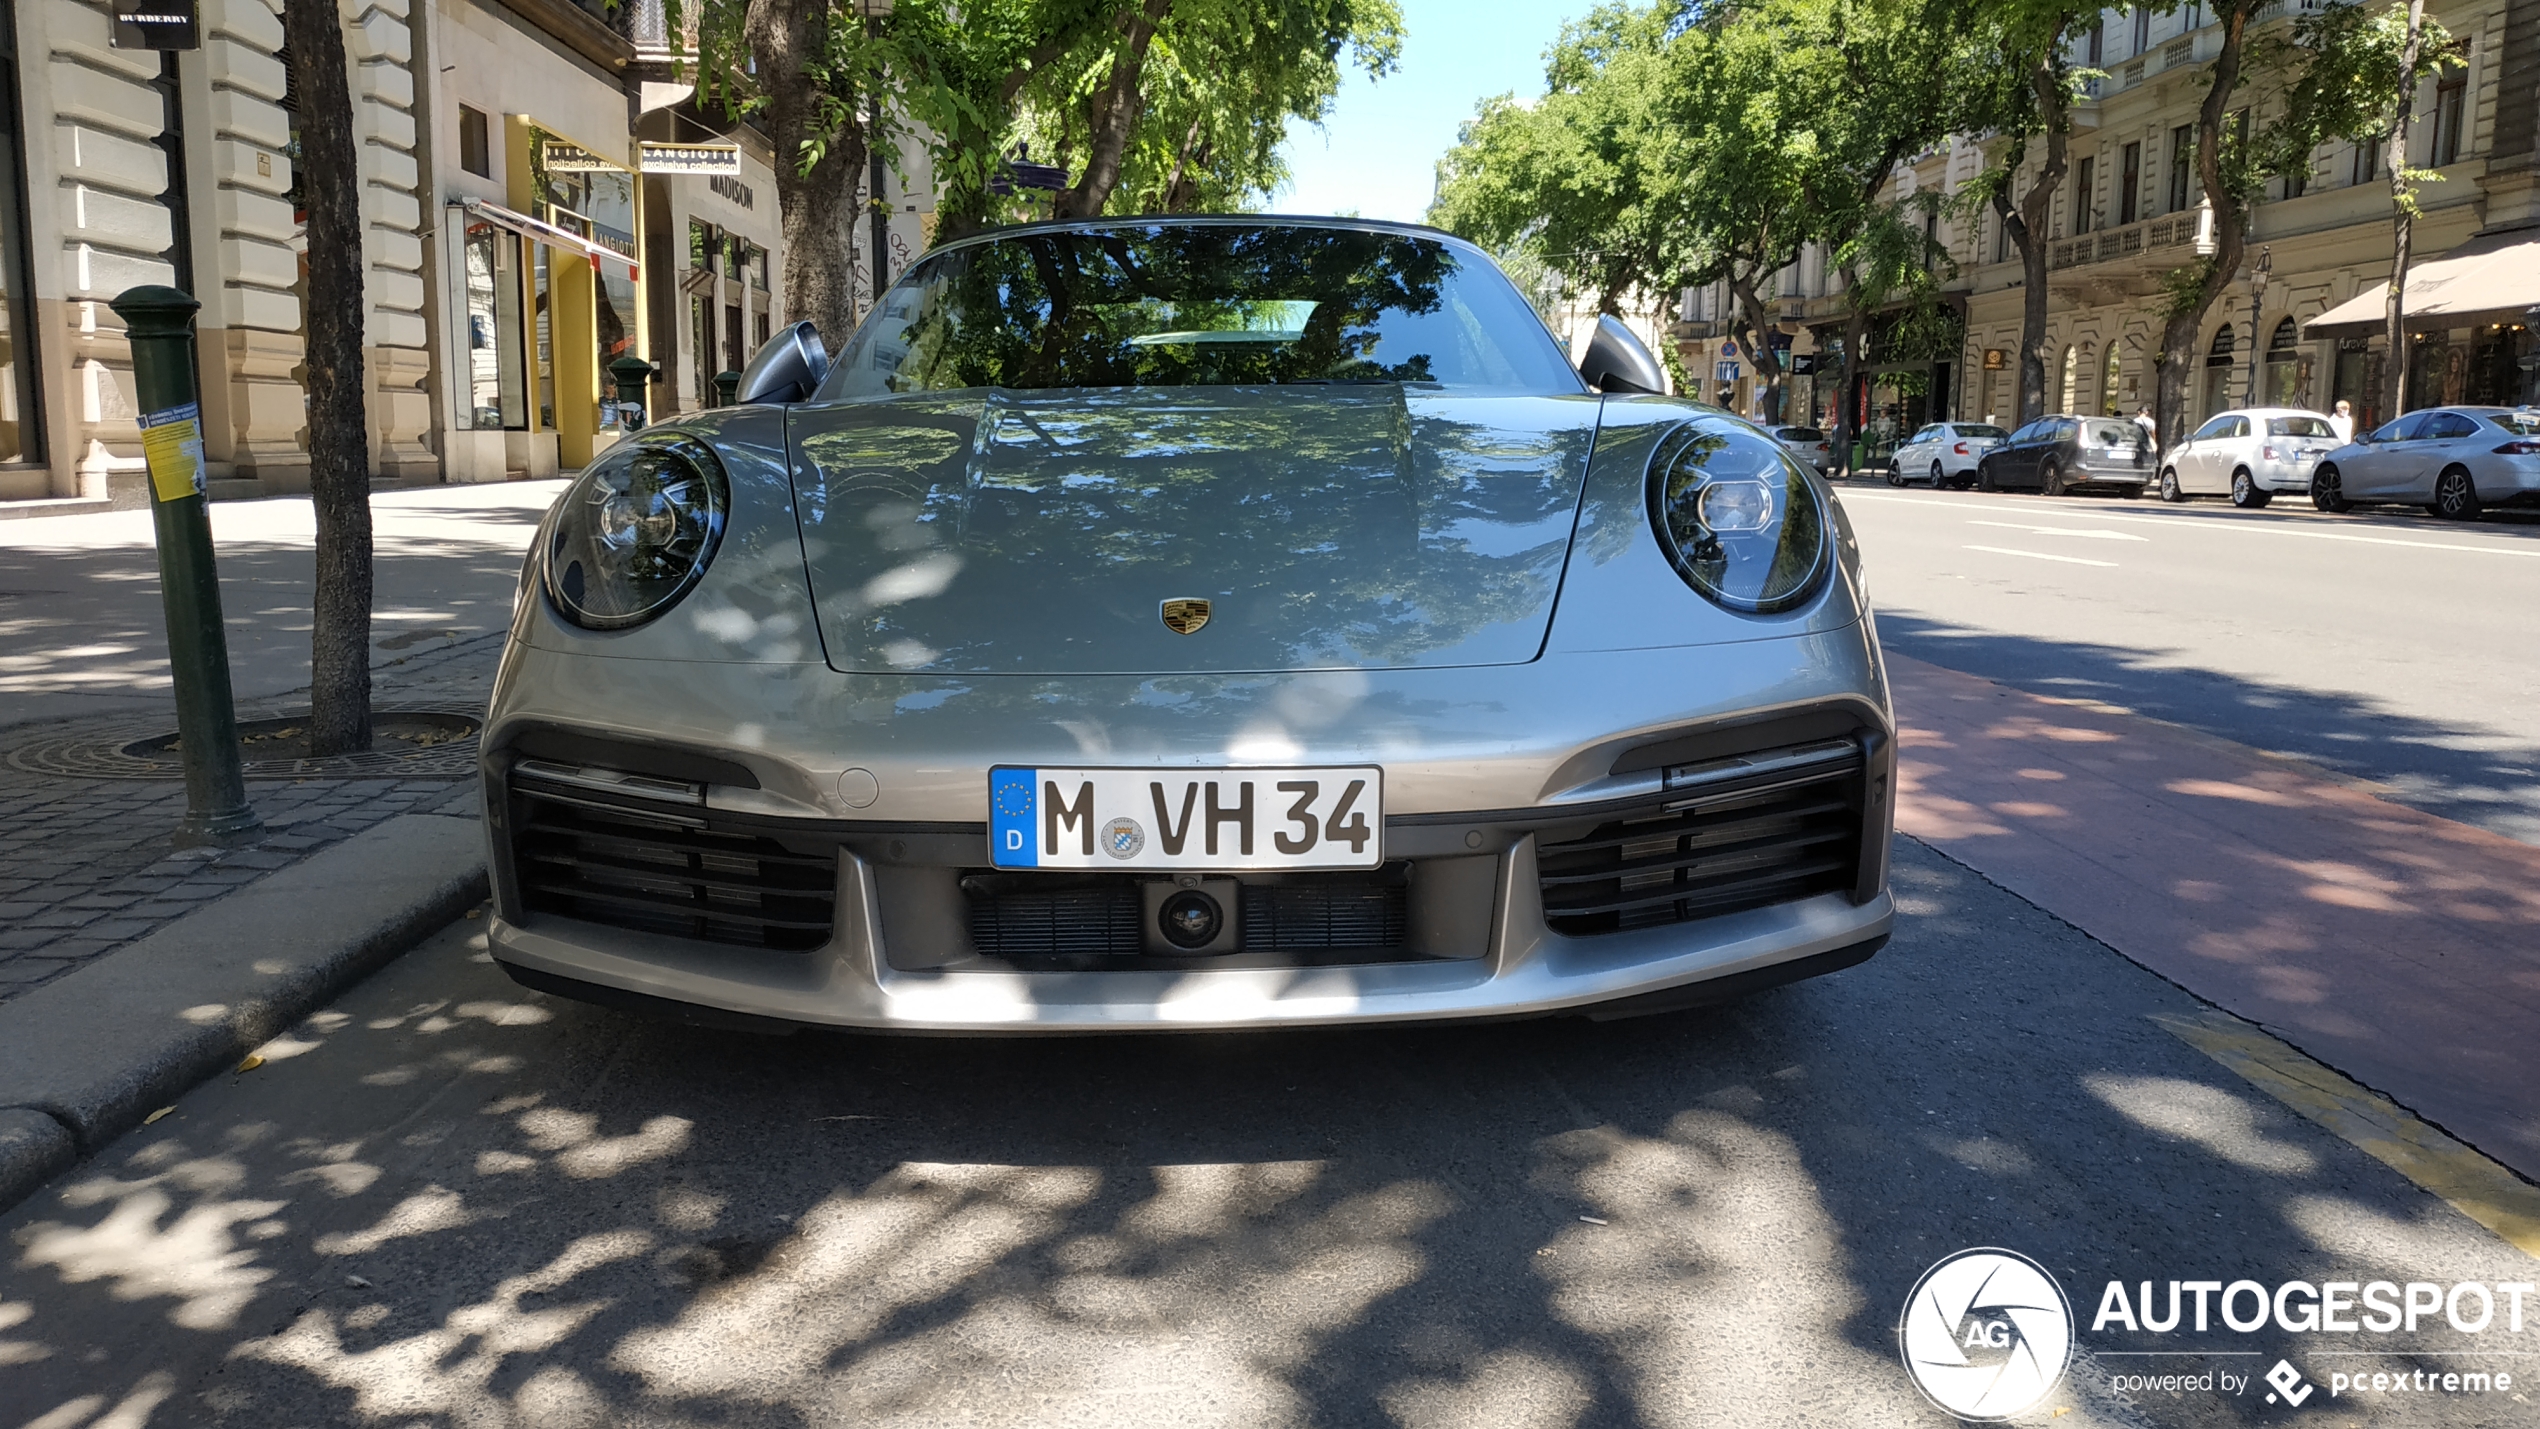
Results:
x,y
1724,851
1525,970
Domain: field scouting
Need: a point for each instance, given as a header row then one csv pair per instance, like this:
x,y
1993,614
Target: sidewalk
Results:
x,y
85,864
2400,948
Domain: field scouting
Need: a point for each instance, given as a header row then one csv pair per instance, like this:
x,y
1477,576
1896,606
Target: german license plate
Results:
x,y
1216,819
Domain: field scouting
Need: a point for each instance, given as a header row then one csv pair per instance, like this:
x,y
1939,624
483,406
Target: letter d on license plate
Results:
x,y
1215,819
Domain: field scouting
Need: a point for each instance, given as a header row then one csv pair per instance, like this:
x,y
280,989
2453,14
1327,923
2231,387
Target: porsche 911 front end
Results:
x,y
1190,623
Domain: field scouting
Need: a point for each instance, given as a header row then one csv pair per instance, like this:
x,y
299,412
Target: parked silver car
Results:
x,y
2457,461
1944,454
2248,454
1806,443
1213,622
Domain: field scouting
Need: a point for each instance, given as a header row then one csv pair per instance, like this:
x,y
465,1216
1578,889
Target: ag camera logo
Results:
x,y
1986,1334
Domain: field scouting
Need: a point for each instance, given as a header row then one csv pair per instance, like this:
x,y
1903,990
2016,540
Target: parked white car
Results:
x,y
2248,454
1806,443
1944,454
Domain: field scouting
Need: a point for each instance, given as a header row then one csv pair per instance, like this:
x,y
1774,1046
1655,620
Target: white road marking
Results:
x,y
2058,531
2184,522
2042,556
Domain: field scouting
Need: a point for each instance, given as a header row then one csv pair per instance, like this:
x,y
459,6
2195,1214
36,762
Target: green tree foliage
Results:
x,y
1678,146
2357,71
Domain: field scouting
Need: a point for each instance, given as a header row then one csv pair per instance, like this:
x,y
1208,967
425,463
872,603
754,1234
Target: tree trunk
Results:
x,y
339,426
2394,368
1175,200
2178,334
814,206
2030,224
1113,114
1856,331
1759,331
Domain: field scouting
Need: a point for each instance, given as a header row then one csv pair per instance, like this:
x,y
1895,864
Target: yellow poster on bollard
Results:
x,y
172,447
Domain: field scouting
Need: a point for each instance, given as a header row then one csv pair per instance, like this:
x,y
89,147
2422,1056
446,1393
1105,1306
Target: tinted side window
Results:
x,y
2399,429
2066,430
2029,433
2444,425
2217,428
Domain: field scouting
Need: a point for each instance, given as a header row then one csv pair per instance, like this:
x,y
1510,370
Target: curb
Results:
x,y
85,1059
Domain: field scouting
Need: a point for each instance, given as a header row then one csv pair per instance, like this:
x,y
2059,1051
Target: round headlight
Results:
x,y
1737,516
635,532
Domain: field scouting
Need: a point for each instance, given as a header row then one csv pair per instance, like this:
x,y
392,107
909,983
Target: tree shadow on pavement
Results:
x,y
452,1202
2456,770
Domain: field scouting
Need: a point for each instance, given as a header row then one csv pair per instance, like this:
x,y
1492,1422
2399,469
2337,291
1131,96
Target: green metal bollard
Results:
x,y
632,374
160,323
727,388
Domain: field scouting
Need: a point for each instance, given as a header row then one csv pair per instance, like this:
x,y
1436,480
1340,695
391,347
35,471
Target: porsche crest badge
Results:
x,y
1184,615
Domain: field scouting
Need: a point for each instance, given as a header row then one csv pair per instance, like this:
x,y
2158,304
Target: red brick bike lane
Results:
x,y
2399,948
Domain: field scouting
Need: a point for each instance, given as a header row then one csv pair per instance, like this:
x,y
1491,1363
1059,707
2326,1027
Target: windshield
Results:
x,y
1179,305
1978,429
2300,427
2112,434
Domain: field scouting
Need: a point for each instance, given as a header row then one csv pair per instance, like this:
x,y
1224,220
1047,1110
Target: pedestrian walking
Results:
x,y
2342,421
2151,429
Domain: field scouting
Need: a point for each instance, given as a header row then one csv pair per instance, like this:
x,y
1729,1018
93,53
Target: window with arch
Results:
x,y
2214,392
2284,365
2065,393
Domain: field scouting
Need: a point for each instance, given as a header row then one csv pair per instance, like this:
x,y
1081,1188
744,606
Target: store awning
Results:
x,y
2494,279
549,234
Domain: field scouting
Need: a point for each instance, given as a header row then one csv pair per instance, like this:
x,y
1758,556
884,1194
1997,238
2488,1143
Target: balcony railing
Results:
x,y
2193,231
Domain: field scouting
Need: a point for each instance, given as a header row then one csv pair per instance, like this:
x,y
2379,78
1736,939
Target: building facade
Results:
x,y
2129,210
540,197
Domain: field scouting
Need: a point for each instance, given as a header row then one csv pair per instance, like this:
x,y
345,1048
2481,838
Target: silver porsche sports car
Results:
x,y
1179,623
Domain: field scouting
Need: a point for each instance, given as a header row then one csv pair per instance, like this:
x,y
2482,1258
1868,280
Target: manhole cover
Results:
x,y
405,744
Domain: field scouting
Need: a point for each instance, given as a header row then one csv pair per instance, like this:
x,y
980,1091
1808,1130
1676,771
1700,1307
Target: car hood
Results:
x,y
1042,533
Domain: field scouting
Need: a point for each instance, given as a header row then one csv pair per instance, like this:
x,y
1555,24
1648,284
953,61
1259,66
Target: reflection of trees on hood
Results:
x,y
1065,309
1342,526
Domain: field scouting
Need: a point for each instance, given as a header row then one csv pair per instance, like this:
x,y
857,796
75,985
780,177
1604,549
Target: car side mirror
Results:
x,y
788,369
1616,361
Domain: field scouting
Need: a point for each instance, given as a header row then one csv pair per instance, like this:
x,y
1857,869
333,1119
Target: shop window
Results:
x,y
21,426
2497,353
496,394
2451,106
476,149
2358,381
2428,356
703,245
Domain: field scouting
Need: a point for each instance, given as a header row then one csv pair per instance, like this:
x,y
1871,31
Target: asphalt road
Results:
x,y
452,1202
2387,645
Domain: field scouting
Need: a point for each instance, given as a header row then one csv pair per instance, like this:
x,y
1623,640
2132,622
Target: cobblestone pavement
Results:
x,y
87,866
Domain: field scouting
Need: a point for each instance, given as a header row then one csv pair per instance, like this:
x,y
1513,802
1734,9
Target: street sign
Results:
x,y
1726,372
564,158
688,158
1995,359
155,25
1728,349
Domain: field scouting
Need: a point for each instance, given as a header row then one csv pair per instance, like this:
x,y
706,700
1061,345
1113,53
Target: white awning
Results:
x,y
2494,279
548,233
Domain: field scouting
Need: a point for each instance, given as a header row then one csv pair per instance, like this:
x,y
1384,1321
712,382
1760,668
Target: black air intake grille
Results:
x,y
581,860
1096,917
1299,917
1698,853
1103,915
